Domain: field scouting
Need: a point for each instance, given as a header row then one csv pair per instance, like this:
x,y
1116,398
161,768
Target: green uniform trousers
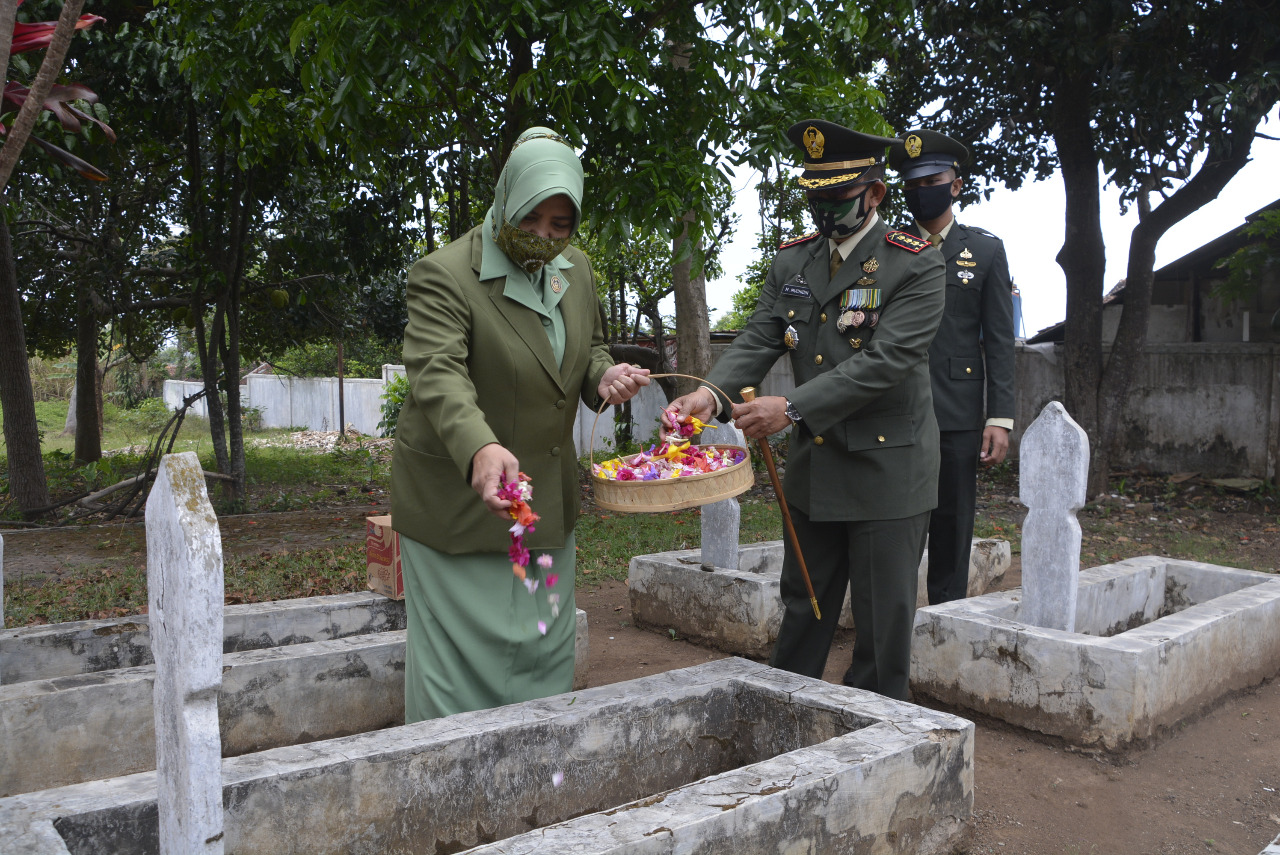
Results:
x,y
474,640
879,561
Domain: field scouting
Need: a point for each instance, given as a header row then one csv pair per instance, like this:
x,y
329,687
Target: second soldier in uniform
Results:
x,y
971,359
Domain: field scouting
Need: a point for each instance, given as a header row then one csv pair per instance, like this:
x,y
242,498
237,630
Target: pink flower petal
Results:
x,y
542,627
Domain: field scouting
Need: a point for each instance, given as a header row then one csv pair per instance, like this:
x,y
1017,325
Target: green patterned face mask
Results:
x,y
529,251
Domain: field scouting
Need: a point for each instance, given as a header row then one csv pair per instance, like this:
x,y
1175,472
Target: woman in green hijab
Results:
x,y
503,340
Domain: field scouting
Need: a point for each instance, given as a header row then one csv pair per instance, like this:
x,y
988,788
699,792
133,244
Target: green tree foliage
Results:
x,y
1162,99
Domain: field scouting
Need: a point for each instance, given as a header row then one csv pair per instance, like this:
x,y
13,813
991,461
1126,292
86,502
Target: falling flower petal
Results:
x,y
557,779
544,561
552,578
542,627
531,584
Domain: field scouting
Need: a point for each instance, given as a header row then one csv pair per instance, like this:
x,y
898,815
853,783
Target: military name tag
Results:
x,y
797,287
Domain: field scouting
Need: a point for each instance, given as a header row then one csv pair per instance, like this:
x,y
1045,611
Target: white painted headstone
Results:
x,y
1054,473
185,598
721,521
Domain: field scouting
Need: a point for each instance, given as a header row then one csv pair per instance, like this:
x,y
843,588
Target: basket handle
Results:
x,y
591,447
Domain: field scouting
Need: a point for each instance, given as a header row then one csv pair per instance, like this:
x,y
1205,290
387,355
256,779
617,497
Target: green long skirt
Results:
x,y
475,635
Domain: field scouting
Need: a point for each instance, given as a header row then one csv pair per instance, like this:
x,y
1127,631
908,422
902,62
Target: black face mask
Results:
x,y
839,218
929,202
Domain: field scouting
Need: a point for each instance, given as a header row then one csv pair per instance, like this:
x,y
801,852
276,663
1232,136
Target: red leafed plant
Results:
x,y
37,36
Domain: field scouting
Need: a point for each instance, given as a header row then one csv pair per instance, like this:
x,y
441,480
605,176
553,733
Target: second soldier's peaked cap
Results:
x,y
835,156
924,152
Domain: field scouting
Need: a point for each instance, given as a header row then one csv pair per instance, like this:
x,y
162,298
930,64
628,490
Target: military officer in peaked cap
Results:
x,y
971,358
854,306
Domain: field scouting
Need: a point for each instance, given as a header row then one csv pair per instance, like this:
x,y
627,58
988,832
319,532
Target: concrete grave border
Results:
x,y
269,697
882,776
739,610
1157,639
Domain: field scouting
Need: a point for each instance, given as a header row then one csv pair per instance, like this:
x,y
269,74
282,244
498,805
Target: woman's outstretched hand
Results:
x,y
488,466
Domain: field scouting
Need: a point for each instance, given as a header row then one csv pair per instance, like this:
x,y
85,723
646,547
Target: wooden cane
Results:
x,y
749,394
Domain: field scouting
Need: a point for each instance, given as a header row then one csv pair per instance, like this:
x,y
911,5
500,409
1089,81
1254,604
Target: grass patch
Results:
x,y
96,593
607,540
606,543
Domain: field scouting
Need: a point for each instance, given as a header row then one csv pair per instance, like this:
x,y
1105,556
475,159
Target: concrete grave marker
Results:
x,y
184,601
721,521
1054,461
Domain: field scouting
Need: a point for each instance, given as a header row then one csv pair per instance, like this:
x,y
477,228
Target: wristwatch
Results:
x,y
792,412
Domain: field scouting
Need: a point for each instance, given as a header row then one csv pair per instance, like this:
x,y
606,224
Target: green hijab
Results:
x,y
542,164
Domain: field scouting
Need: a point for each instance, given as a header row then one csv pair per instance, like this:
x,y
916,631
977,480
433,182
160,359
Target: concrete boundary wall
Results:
x,y
1211,408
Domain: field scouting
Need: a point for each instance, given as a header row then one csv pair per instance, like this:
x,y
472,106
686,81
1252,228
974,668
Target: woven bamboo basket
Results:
x,y
671,494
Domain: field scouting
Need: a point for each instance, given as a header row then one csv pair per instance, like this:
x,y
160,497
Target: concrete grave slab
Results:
x,y
740,610
1156,640
269,698
90,646
726,757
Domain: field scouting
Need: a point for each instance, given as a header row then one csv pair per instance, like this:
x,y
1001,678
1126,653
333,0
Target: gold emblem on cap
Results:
x,y
870,265
914,146
814,142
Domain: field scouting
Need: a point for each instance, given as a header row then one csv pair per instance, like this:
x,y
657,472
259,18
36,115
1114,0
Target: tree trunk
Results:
x,y
87,389
1083,261
27,482
693,325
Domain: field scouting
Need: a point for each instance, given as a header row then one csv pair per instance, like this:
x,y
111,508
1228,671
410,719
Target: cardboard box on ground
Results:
x,y
382,551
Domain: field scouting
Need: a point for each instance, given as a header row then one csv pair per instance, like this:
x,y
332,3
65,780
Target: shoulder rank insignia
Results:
x,y
909,242
800,240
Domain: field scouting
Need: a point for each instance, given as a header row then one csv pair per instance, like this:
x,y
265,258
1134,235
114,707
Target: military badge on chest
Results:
x,y
860,309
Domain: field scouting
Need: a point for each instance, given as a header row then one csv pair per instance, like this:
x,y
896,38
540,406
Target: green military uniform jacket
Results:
x,y
481,369
977,321
867,447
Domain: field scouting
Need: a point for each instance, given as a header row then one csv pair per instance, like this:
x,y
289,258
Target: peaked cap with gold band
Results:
x,y
835,156
922,152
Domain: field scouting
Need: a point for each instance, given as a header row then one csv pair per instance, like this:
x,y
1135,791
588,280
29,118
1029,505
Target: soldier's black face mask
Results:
x,y
841,217
929,202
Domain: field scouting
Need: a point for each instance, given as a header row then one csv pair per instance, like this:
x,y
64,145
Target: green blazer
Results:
x,y
481,370
867,445
977,323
